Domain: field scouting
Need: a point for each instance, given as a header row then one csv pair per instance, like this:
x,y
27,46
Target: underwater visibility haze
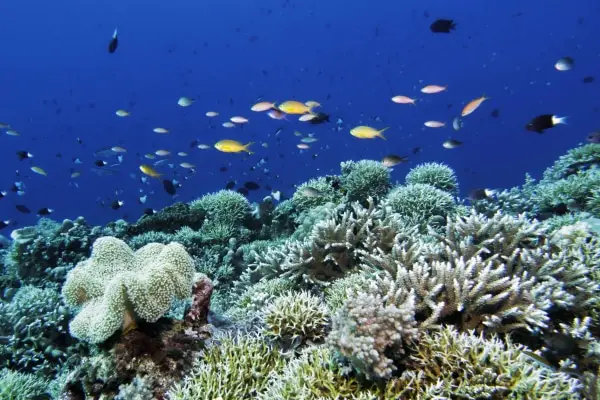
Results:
x,y
236,200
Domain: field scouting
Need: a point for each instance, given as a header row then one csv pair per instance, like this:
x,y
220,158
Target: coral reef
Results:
x,y
435,174
364,180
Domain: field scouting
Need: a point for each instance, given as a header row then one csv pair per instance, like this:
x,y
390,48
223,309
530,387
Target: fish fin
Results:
x,y
380,133
556,120
247,149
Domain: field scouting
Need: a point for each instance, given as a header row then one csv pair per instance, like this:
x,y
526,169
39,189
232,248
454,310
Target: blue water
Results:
x,y
59,83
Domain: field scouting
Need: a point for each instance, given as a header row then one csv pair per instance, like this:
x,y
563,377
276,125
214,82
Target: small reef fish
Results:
x,y
228,124
442,26
294,107
404,100
162,153
276,114
435,124
114,42
211,114
480,194
367,132
238,120
303,146
185,101
310,192
457,123
148,170
262,106
545,121
432,89
232,146
118,149
23,155
39,170
122,113
12,132
564,64
473,105
452,144
393,160
160,130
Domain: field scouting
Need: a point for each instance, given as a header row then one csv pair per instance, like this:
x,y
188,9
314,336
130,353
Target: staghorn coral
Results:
x,y
435,174
364,180
253,301
313,375
330,250
232,369
116,286
447,365
21,386
494,274
296,318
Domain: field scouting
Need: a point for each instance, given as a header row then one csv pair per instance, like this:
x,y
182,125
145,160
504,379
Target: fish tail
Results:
x,y
246,149
556,120
380,133
115,33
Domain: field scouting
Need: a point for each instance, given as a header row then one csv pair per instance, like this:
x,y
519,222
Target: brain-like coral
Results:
x,y
365,178
116,285
435,174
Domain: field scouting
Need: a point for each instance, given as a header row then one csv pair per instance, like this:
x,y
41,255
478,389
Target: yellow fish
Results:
x,y
148,170
294,107
366,132
232,146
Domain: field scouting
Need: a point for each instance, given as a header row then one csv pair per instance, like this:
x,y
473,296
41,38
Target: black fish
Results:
x,y
223,169
22,154
2,194
230,185
243,191
169,187
114,42
479,194
416,150
45,211
443,26
542,122
23,209
4,224
495,113
593,137
193,144
251,185
149,211
319,118
588,79
116,204
100,163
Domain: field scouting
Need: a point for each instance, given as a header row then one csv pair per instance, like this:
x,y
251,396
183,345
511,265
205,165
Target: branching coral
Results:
x,y
327,187
225,206
449,364
373,325
295,318
235,368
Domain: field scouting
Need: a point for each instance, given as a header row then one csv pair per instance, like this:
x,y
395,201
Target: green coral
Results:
x,y
303,201
237,368
253,301
34,331
295,318
116,285
225,206
21,386
364,179
435,174
589,153
574,191
421,203
337,293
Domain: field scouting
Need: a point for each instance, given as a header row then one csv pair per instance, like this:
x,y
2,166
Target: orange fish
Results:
x,y
473,105
431,89
403,100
